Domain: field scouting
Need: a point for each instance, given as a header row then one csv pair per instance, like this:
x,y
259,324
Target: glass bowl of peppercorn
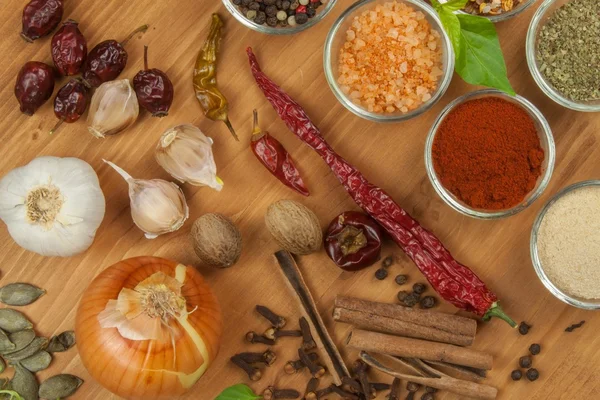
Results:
x,y
490,155
563,48
279,17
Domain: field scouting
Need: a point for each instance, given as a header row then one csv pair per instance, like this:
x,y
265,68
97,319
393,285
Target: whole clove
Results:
x,y
308,343
320,394
295,366
253,337
315,369
410,396
273,333
401,279
535,349
276,321
311,389
574,326
525,362
343,394
532,374
380,386
524,328
516,375
253,373
412,387
360,369
267,357
271,393
351,385
430,389
395,391
388,261
427,396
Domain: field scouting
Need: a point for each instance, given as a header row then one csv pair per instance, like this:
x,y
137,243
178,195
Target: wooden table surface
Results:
x,y
389,155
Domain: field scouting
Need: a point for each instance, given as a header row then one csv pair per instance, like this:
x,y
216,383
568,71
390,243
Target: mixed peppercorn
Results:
x,y
278,12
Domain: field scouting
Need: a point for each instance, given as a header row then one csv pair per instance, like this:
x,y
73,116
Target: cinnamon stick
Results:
x,y
450,323
416,348
368,320
458,372
332,358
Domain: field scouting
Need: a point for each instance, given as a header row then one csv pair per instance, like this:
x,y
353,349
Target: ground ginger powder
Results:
x,y
569,243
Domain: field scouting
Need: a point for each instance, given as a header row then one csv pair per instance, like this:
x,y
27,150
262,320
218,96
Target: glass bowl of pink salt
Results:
x,y
388,60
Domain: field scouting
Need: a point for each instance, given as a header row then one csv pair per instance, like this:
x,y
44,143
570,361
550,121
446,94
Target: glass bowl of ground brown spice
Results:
x,y
563,52
490,155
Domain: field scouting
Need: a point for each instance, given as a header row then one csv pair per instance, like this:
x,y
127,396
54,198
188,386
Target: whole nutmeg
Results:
x,y
294,227
217,241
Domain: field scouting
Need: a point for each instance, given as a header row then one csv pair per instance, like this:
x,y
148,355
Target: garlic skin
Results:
x,y
157,206
52,206
114,108
186,154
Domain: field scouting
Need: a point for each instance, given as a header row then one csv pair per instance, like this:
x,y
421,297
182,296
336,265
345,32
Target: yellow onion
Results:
x,y
148,328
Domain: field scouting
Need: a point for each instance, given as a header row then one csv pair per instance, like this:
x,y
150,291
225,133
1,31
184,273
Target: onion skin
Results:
x,y
118,363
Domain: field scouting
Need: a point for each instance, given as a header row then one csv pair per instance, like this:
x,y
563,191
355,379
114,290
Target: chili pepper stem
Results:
x,y
496,311
231,129
142,28
257,133
145,57
56,126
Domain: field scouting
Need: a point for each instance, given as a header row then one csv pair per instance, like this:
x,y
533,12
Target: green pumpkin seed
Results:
x,y
25,383
20,294
37,362
59,386
13,320
7,394
20,339
36,345
5,344
62,342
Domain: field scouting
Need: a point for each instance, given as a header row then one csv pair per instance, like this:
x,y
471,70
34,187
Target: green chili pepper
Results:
x,y
212,101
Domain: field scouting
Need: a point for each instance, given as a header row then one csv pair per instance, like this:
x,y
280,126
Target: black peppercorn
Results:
x,y
302,18
254,6
261,18
532,374
525,362
310,12
430,389
401,279
535,349
290,12
237,2
246,2
271,11
272,21
285,5
269,2
381,273
411,299
244,10
516,375
419,288
412,387
402,295
427,396
261,6
428,302
389,260
294,4
524,328
283,23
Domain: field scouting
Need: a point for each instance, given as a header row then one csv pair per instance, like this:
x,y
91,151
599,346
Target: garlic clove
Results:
x,y
186,154
114,108
157,206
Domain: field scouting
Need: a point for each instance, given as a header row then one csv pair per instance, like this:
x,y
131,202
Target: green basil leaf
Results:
x,y
238,392
454,5
451,26
480,60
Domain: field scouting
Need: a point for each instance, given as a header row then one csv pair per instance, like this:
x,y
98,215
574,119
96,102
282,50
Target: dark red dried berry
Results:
x,y
34,86
107,60
70,102
154,89
40,17
69,49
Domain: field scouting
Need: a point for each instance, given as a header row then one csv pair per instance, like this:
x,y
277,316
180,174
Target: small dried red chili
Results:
x,y
275,158
353,241
40,17
69,49
453,281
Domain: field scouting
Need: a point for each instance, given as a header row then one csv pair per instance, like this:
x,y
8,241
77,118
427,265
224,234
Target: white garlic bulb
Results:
x,y
114,108
186,154
157,206
52,206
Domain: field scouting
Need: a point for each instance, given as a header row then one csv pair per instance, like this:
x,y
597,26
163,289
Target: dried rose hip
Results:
x,y
353,241
154,89
107,60
40,17
34,86
69,49
70,102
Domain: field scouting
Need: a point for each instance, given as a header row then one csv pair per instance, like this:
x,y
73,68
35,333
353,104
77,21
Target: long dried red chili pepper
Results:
x,y
275,158
455,282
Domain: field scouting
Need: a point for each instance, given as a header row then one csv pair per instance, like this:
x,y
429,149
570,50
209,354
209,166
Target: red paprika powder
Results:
x,y
487,153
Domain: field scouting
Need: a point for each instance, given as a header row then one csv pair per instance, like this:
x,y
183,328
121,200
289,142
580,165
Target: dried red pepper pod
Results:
x,y
70,102
154,89
69,49
40,17
107,60
353,241
34,86
275,158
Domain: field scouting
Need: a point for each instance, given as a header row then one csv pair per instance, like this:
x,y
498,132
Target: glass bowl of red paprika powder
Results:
x,y
490,155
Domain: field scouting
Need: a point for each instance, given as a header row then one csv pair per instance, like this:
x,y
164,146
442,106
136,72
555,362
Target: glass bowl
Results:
x,y
546,142
337,37
288,30
539,268
541,16
525,4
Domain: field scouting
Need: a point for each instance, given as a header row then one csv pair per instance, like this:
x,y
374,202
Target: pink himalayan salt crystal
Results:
x,y
391,60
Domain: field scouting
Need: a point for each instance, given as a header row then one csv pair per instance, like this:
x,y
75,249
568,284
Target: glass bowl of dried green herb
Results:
x,y
563,49
490,155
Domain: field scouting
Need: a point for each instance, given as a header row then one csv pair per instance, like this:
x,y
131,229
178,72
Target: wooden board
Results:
x,y
390,155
